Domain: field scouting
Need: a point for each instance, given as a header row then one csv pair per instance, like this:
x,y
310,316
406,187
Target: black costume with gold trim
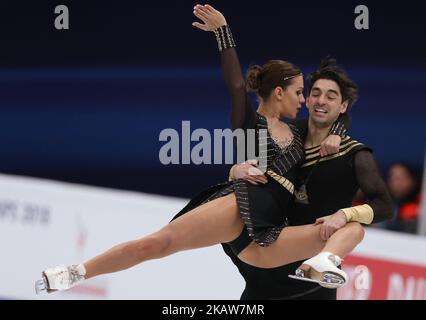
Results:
x,y
263,208
332,184
337,169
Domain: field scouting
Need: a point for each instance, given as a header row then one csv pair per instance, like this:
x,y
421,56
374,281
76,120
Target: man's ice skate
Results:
x,y
322,269
60,278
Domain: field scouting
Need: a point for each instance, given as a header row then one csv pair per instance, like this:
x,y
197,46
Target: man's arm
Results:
x,y
373,186
331,143
379,205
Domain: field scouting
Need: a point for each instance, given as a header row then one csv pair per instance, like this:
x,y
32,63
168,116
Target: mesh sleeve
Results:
x,y
242,115
373,186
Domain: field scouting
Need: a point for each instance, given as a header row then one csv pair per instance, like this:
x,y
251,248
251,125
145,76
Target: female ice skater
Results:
x,y
251,218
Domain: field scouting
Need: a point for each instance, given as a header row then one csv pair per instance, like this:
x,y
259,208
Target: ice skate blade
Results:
x,y
40,286
331,281
302,278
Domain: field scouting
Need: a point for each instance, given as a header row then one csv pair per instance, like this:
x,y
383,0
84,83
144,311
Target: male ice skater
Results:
x,y
326,186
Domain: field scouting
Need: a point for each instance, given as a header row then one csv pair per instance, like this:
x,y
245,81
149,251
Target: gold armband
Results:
x,y
231,173
362,214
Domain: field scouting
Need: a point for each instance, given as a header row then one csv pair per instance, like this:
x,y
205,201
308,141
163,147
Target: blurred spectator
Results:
x,y
404,184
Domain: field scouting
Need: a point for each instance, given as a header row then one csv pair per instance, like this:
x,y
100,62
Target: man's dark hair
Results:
x,y
331,71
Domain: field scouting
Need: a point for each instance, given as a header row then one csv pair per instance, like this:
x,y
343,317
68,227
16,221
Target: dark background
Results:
x,y
87,104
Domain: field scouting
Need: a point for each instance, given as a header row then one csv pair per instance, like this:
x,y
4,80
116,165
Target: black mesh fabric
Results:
x,y
372,185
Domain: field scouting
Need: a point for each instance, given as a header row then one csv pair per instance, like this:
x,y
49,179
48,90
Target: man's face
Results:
x,y
325,102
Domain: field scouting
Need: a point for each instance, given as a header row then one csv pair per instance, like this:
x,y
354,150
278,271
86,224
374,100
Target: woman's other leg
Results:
x,y
302,242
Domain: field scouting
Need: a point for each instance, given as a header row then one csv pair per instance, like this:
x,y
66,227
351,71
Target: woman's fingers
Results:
x,y
203,8
210,8
202,12
200,16
211,17
200,26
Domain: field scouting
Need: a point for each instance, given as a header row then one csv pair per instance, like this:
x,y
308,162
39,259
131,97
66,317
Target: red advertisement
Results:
x,y
382,279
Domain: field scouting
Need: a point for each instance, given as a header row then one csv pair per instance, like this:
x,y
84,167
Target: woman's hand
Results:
x,y
250,172
212,18
330,145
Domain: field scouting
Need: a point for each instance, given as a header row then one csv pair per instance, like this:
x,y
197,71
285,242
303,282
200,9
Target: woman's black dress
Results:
x,y
263,208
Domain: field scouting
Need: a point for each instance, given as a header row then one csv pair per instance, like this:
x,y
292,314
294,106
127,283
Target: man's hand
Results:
x,y
212,18
249,171
331,223
330,145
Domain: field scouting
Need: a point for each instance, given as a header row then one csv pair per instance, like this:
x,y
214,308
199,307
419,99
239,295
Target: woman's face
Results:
x,y
292,98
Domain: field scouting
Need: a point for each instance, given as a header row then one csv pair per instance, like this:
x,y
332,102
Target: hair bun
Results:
x,y
253,77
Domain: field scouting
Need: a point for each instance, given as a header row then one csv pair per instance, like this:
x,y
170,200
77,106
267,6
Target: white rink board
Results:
x,y
45,223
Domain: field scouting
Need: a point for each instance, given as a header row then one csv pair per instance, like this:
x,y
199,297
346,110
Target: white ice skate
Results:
x,y
322,269
60,278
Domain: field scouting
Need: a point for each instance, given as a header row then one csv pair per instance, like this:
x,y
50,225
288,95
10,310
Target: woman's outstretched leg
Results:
x,y
209,224
212,223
